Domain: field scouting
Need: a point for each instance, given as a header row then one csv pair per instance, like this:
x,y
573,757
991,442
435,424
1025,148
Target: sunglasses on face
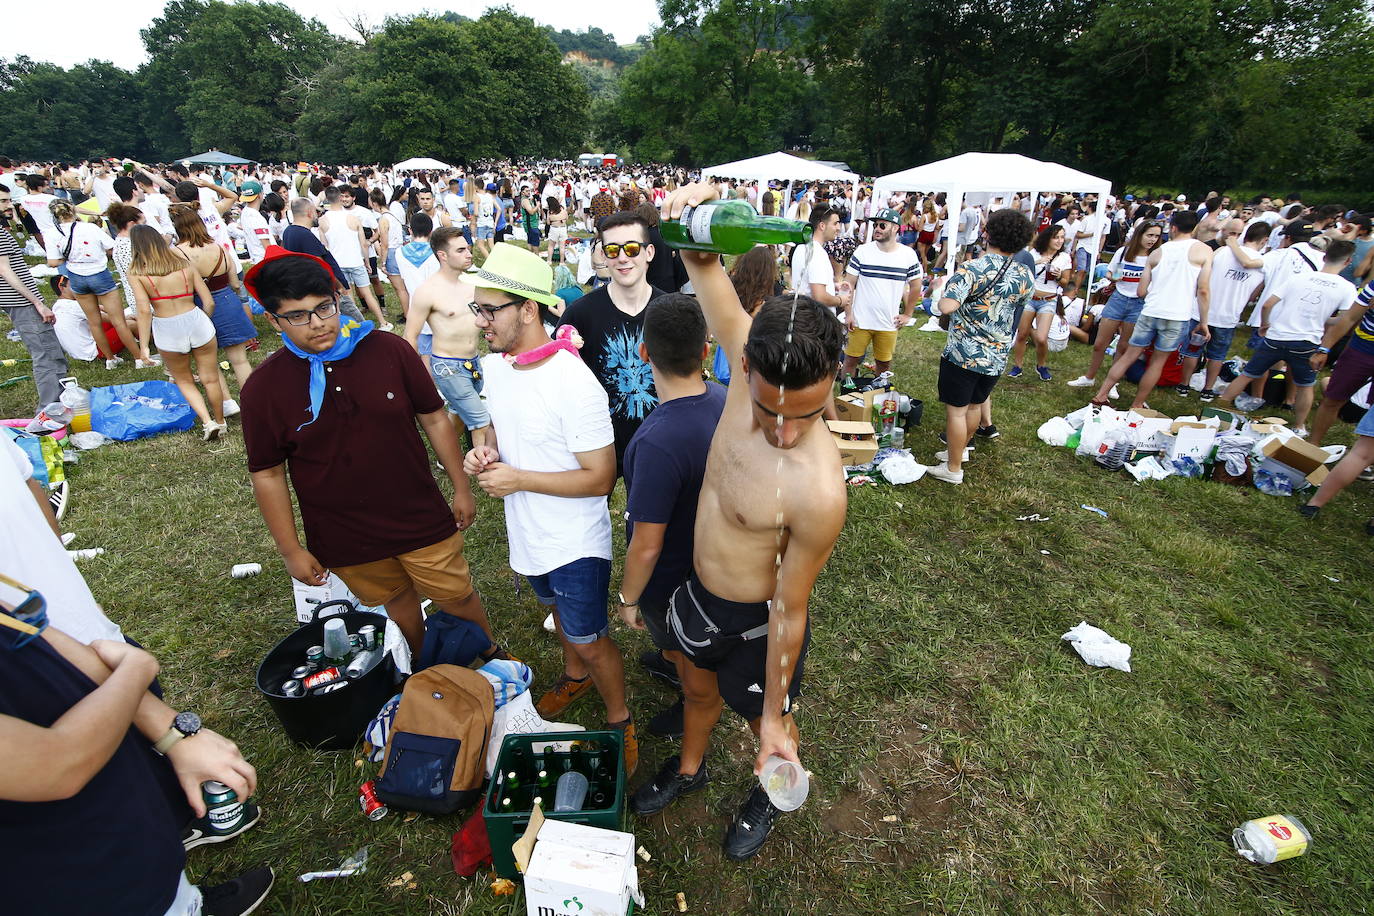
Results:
x,y
489,311
631,249
322,312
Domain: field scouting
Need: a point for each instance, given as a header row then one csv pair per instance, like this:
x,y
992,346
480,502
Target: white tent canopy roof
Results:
x,y
422,162
991,173
780,166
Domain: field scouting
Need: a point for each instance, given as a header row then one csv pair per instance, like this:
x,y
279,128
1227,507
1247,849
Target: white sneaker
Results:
x,y
1300,432
1081,382
213,432
943,455
232,407
941,471
1114,393
113,361
145,364
387,327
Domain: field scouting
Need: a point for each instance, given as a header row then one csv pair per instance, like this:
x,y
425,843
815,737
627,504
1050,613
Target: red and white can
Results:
x,y
367,800
320,678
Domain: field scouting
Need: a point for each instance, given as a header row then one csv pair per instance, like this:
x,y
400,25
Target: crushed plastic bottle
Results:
x,y
1272,484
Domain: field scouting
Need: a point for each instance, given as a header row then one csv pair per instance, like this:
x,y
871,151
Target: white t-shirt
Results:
x,y
486,210
817,270
214,225
543,417
1091,223
1048,275
969,221
1305,304
102,189
89,244
34,556
256,233
454,204
1282,265
1231,287
156,213
882,282
73,331
36,205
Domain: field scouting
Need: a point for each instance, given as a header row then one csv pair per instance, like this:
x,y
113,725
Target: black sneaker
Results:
x,y
667,723
987,432
745,835
1207,396
1309,511
665,788
1182,390
240,896
200,833
657,666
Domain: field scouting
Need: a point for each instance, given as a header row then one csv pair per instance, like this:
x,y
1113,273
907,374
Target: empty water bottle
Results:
x,y
1273,484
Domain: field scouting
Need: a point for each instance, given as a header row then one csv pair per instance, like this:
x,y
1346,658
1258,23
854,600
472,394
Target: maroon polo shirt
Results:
x,y
361,473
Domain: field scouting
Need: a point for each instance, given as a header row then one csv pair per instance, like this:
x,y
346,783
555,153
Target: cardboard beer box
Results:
x,y
1153,428
859,405
856,440
1193,440
576,870
1306,460
309,597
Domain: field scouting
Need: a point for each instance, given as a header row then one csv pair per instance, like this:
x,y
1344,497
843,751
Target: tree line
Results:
x,y
1214,93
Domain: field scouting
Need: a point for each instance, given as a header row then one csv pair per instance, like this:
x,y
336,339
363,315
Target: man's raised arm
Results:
x,y
719,302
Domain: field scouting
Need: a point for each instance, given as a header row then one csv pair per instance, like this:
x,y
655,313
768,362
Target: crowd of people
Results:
x,y
553,344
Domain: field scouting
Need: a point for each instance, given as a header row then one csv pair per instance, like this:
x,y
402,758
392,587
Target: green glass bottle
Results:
x,y
730,227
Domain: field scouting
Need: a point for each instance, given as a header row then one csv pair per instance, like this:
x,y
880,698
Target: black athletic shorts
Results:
x,y
731,639
960,387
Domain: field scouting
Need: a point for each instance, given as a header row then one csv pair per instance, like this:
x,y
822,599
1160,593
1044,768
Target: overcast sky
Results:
x,y
108,29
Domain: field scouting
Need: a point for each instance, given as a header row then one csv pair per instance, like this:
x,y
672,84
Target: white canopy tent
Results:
x,y
988,174
422,162
786,166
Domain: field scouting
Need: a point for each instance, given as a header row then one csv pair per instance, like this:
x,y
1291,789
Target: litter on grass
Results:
x,y
354,865
1098,648
1101,512
1035,517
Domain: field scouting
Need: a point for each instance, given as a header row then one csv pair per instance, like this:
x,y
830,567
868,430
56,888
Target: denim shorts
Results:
x,y
1164,333
1295,353
486,232
357,276
425,344
1216,348
391,267
1041,306
1081,257
91,284
460,382
581,590
1123,308
1366,425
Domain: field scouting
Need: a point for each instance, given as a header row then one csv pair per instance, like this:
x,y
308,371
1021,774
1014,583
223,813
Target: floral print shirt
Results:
x,y
982,328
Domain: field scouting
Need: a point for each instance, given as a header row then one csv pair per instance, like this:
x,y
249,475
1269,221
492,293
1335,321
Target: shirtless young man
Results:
x,y
443,300
772,504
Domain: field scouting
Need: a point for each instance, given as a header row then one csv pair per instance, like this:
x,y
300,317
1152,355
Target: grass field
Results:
x,y
965,760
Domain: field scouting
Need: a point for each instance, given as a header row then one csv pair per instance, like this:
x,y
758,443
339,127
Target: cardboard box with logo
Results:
x,y
1193,440
1152,428
857,441
1299,460
858,406
575,870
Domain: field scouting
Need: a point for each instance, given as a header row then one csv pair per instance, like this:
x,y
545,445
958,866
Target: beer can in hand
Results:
x,y
223,809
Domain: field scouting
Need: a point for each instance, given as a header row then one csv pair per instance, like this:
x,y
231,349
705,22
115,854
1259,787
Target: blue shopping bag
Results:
x,y
139,409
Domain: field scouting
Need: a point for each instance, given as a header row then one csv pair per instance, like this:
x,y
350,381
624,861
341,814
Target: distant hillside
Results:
x,y
595,45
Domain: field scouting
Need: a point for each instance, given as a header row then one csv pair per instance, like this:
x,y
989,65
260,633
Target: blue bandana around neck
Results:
x,y
416,253
350,333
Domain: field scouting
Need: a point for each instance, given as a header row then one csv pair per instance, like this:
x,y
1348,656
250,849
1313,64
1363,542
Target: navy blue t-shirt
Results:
x,y
664,466
113,847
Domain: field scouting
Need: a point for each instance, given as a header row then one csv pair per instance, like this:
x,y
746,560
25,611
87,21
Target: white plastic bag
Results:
x,y
1055,431
518,717
1098,648
902,468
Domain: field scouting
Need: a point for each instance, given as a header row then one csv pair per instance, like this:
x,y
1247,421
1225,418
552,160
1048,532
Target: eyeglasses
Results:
x,y
631,249
322,312
489,311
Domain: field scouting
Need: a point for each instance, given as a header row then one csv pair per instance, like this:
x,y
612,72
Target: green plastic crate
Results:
x,y
518,753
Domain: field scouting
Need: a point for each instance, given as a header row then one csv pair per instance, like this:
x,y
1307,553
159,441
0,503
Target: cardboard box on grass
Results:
x,y
1153,428
857,441
1305,460
858,405
1229,420
309,597
1193,440
576,870
1266,426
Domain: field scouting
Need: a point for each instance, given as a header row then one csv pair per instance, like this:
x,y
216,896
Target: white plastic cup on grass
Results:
x,y
785,782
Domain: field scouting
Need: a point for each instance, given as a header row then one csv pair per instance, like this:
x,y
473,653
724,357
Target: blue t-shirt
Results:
x,y
664,466
113,847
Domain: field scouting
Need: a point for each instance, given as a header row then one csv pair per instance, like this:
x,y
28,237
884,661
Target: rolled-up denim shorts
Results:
x,y
91,284
392,268
357,276
486,232
1216,348
460,382
1296,353
581,590
1041,306
1123,308
1164,333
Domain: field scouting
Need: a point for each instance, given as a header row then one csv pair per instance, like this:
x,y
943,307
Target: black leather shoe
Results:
x,y
744,837
657,666
665,788
667,723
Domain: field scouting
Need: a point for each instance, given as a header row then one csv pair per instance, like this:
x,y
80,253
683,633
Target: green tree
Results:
x,y
221,75
47,112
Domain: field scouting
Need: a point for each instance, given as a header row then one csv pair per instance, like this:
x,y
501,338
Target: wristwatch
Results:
x,y
184,725
624,603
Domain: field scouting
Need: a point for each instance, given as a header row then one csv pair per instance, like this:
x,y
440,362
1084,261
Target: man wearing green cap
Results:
x,y
550,457
887,282
256,235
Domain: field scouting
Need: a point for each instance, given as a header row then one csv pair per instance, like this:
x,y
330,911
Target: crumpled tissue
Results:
x,y
901,468
1098,648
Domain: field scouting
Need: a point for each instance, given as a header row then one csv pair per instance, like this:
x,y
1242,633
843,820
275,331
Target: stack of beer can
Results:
x,y
344,657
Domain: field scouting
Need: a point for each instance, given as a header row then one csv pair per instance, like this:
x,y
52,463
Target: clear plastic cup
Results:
x,y
571,792
785,782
